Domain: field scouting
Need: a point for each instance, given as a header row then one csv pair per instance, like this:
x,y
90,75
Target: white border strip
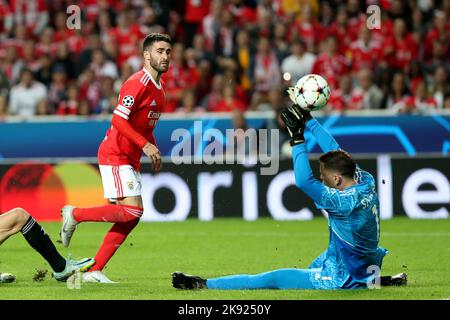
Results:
x,y
384,186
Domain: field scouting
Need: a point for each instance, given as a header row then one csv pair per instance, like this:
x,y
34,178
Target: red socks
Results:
x,y
125,218
113,239
107,213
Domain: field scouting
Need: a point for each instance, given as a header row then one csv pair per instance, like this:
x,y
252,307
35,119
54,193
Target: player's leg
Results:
x,y
111,243
118,233
131,209
12,222
17,220
277,279
120,184
39,240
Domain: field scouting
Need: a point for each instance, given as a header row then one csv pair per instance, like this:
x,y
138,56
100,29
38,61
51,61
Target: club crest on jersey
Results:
x,y
130,185
127,101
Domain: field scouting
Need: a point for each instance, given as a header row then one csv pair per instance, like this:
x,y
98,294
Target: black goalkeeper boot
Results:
x,y
187,282
399,280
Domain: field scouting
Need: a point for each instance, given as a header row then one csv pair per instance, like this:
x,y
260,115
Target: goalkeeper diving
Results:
x,y
346,194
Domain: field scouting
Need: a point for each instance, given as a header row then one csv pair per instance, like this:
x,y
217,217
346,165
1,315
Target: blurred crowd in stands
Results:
x,y
227,54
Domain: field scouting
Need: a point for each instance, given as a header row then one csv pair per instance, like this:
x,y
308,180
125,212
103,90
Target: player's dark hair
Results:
x,y
339,161
299,41
155,37
25,70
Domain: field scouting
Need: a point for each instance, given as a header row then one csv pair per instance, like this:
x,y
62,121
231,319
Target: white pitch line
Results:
x,y
287,234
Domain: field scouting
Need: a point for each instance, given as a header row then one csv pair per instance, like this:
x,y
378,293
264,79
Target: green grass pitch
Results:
x,y
143,264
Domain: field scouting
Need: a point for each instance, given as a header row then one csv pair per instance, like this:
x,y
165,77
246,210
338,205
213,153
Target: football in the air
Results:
x,y
311,92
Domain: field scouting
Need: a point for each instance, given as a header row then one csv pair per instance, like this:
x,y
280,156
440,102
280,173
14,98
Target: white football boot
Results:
x,y
96,276
7,277
68,225
73,266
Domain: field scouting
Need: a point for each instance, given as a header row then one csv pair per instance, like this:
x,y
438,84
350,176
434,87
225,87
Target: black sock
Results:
x,y
40,241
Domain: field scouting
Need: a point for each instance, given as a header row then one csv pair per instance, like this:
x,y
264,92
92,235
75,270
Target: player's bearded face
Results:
x,y
160,56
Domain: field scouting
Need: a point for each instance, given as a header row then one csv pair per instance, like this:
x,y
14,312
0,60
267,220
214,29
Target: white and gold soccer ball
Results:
x,y
311,92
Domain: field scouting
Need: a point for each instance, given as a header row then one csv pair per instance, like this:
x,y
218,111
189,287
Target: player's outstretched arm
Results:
x,y
323,137
304,177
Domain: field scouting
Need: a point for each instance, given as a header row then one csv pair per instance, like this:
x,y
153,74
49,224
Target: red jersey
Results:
x,y
412,103
196,10
227,106
127,41
5,14
308,32
140,102
331,68
29,13
404,51
364,56
345,36
339,100
434,35
243,14
355,100
177,79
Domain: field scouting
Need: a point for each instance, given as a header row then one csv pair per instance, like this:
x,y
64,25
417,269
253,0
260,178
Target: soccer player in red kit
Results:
x,y
131,133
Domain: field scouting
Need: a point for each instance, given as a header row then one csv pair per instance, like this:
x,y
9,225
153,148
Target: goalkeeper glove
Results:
x,y
306,114
294,124
291,93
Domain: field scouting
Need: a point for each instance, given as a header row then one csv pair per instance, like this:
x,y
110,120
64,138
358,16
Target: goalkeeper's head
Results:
x,y
337,169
